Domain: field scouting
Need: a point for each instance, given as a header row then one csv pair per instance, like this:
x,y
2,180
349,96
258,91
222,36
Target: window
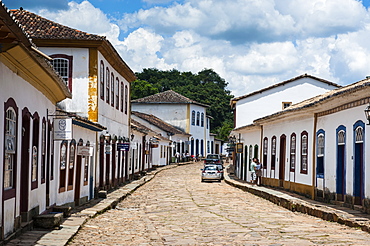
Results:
x,y
193,118
341,137
43,150
62,64
198,116
320,154
202,120
292,151
359,135
117,93
273,153
304,152
112,90
126,99
265,152
10,149
122,97
63,163
35,152
102,87
86,167
107,89
71,163
286,104
207,123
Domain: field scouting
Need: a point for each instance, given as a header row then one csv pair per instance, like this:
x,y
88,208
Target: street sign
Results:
x,y
63,129
85,150
123,146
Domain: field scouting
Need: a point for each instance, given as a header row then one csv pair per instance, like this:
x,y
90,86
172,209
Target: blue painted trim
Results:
x,y
358,172
339,181
321,175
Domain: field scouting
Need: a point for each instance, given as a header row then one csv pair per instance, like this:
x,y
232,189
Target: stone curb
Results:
x,y
324,211
73,224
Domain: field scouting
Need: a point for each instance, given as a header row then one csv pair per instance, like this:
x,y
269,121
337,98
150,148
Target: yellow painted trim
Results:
x,y
93,97
291,186
188,113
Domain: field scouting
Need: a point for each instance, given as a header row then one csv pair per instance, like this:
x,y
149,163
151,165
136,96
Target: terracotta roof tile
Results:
x,y
40,28
169,96
159,123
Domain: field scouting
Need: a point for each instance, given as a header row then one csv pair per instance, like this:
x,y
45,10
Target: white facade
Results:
x,y
270,100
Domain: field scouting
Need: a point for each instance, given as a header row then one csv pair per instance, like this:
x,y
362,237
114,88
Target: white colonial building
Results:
x,y
185,114
315,147
30,89
99,81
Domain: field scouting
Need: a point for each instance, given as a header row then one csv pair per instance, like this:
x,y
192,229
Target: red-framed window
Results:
x,y
71,163
273,153
63,65
107,89
102,86
265,152
293,147
122,96
86,167
63,165
35,150
117,93
43,149
304,152
112,89
10,149
126,99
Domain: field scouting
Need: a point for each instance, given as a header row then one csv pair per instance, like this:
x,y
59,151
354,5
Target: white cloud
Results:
x,y
250,43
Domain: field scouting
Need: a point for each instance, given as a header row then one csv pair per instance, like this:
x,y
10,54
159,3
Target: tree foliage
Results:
x,y
206,87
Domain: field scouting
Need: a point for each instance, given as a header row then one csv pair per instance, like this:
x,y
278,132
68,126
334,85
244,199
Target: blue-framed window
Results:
x,y
193,118
202,120
198,116
320,153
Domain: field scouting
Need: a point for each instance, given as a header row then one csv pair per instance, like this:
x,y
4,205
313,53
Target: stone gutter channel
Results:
x,y
80,215
297,203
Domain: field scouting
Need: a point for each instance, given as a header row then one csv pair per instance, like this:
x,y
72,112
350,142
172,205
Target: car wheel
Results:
x,y
202,180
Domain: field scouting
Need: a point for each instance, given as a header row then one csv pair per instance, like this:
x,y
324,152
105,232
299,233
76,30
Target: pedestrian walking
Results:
x,y
177,155
253,170
258,170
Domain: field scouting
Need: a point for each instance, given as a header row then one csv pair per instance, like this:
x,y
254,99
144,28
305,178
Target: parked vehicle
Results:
x,y
213,159
212,172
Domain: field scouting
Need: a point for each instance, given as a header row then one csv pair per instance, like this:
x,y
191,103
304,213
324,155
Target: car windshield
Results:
x,y
212,157
210,168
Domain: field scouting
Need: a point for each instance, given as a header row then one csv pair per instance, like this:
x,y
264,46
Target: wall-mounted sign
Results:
x,y
63,129
239,148
108,149
85,150
154,145
123,146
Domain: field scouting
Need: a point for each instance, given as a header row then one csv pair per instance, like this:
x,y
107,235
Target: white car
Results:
x,y
211,172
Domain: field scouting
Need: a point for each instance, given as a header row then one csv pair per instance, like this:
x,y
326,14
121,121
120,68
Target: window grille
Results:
x,y
61,65
320,145
341,137
359,135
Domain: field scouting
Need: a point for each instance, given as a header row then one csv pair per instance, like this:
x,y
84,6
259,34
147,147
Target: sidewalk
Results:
x,y
297,203
80,215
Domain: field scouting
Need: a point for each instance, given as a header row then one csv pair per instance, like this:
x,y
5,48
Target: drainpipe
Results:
x,y
314,156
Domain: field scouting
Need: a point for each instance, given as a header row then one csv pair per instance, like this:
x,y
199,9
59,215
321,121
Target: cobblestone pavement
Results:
x,y
175,208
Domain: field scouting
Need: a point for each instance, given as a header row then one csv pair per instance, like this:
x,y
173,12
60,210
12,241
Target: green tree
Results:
x,y
206,87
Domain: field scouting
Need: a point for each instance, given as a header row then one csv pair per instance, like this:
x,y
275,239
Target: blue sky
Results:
x,y
251,44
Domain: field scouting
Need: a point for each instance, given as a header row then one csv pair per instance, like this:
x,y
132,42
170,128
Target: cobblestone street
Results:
x,y
175,208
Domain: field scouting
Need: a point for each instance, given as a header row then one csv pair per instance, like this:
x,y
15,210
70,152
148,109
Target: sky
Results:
x,y
252,44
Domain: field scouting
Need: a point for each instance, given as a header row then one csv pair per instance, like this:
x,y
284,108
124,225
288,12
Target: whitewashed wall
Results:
x,y
297,126
25,95
329,124
270,101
